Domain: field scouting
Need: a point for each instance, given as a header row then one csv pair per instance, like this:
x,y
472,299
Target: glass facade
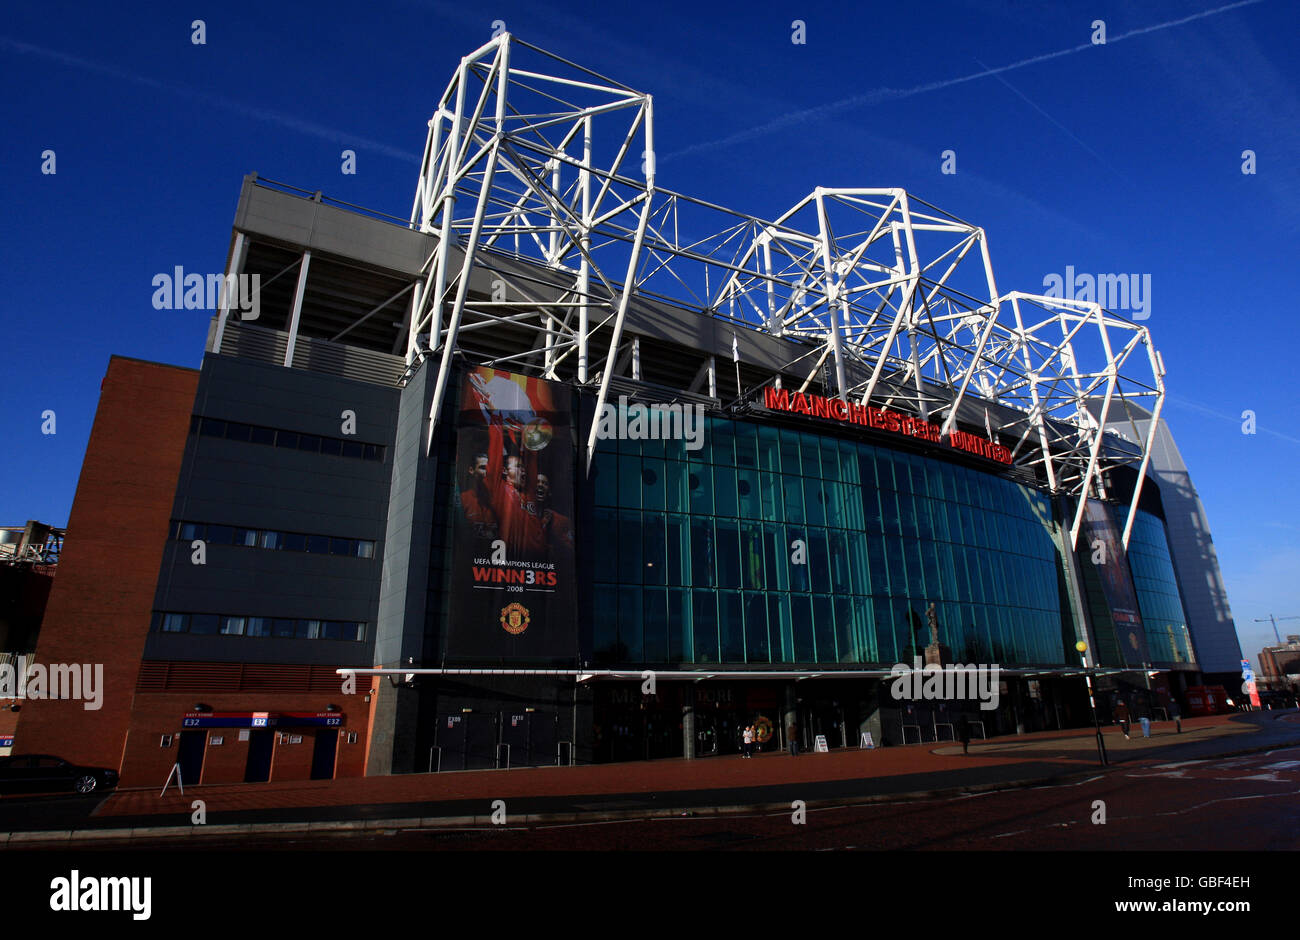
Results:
x,y
769,545
1163,619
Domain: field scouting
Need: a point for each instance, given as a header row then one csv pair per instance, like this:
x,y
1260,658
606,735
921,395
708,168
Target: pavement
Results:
x,y
707,786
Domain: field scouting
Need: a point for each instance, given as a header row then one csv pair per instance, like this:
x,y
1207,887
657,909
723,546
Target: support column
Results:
x,y
237,257
688,724
790,713
296,315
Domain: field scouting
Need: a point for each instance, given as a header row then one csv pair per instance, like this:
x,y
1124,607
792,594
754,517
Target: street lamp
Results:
x,y
1082,647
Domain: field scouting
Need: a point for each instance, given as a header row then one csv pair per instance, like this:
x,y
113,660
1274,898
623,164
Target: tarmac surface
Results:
x,y
714,785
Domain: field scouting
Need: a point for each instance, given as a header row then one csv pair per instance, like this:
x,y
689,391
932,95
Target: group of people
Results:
x,y
1123,716
749,737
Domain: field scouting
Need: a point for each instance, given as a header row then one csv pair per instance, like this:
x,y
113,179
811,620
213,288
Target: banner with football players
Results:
x,y
512,590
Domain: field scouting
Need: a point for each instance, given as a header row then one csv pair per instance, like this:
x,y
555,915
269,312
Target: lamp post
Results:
x,y
1082,647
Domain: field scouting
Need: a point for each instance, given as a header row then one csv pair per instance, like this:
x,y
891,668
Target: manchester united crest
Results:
x,y
514,618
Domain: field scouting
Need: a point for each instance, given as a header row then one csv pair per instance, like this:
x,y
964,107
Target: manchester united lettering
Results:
x,y
835,409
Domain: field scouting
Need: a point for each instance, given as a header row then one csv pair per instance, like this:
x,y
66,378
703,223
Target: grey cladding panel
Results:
x,y
299,221
258,393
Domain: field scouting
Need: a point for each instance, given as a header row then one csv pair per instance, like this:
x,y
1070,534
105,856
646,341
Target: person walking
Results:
x,y
963,734
792,734
1176,714
748,738
1122,716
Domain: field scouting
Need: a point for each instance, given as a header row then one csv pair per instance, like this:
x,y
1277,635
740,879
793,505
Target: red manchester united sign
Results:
x,y
834,409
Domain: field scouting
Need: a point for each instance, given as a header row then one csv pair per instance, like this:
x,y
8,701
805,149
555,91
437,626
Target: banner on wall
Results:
x,y
1111,563
512,581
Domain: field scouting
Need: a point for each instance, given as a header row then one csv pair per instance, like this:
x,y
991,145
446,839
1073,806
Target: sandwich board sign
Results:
x,y
820,745
866,741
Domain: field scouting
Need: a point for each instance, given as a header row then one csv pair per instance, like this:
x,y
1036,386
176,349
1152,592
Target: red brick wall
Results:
x,y
9,722
158,713
100,605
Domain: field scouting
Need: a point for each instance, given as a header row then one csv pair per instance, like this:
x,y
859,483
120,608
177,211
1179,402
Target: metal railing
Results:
x,y
318,196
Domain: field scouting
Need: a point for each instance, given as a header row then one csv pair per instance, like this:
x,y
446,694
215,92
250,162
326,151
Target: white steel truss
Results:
x,y
544,177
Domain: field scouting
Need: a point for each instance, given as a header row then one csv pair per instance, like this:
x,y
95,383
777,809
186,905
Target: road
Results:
x,y
1243,803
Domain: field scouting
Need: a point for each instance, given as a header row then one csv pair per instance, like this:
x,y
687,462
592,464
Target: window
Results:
x,y
204,623
294,440
221,534
240,625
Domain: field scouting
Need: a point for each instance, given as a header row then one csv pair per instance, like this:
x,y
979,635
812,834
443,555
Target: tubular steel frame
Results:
x,y
553,165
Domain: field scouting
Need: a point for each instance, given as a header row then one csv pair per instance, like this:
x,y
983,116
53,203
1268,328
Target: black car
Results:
x,y
43,773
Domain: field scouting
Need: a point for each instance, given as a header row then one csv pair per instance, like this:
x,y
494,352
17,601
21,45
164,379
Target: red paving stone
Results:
x,y
1064,748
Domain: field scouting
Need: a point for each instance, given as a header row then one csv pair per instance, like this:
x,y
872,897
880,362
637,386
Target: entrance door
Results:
x,y
541,738
261,744
322,755
480,741
706,733
191,756
827,719
451,740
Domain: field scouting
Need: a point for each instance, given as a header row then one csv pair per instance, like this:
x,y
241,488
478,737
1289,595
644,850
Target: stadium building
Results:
x,y
568,467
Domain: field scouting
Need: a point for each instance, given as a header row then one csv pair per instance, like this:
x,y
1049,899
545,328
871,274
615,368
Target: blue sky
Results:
x,y
1123,157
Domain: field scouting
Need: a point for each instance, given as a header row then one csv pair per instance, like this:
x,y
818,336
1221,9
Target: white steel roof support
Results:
x,y
462,286
237,256
824,275
296,315
1157,369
